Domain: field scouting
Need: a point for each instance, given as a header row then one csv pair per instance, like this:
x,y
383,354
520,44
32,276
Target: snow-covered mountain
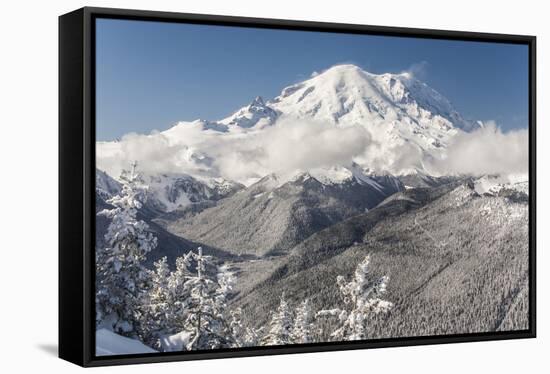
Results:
x,y
167,192
397,110
274,214
495,184
447,249
349,95
257,114
407,121
105,185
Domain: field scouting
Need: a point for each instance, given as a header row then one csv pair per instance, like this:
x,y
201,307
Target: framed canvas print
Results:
x,y
236,186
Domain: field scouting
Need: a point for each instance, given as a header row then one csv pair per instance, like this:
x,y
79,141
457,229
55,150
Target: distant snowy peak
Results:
x,y
348,94
494,184
407,123
106,186
256,114
335,176
179,131
332,175
168,192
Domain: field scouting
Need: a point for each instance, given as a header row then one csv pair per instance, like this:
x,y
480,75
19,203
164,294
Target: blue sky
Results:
x,y
151,74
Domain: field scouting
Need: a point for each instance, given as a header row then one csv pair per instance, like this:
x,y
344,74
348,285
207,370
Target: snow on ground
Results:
x,y
331,175
176,342
109,343
492,184
461,195
162,188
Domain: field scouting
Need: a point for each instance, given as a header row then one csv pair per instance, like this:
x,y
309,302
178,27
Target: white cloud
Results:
x,y
294,145
417,70
291,145
487,150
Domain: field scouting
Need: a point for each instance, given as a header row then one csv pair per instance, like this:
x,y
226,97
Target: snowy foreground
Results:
x,y
108,343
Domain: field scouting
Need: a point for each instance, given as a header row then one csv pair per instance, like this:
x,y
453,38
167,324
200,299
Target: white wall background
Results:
x,y
28,184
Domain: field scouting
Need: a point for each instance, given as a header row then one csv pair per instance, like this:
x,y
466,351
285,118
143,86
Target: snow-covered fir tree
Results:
x,y
121,277
243,336
177,295
204,310
361,296
158,304
165,306
280,327
302,331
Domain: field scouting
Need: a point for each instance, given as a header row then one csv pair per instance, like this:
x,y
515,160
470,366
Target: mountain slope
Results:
x,y
165,192
457,261
272,216
105,185
348,94
169,245
402,114
168,192
256,114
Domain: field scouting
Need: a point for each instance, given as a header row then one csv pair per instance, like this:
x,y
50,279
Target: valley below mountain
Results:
x,y
457,261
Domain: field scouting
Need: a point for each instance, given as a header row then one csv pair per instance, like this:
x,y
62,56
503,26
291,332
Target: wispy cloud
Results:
x,y
294,145
487,150
291,145
418,70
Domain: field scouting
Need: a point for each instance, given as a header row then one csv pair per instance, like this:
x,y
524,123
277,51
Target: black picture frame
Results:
x,y
77,178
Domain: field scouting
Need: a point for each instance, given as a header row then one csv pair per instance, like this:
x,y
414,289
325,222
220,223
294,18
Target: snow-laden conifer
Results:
x,y
302,331
280,327
242,335
361,297
204,311
158,304
166,304
121,278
